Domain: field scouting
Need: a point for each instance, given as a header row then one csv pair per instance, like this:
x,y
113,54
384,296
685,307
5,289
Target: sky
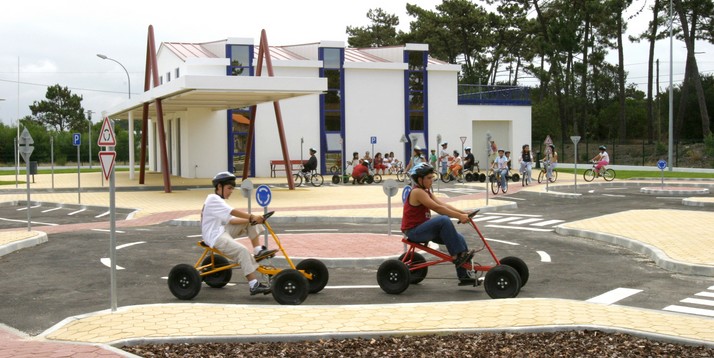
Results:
x,y
43,43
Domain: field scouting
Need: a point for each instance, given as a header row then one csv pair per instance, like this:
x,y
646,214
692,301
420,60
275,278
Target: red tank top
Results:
x,y
413,216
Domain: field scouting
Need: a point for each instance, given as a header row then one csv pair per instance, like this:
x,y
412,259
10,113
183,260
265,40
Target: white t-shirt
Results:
x,y
443,156
605,157
215,215
501,162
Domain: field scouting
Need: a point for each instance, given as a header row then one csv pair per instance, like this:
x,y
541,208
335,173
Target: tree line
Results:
x,y
563,45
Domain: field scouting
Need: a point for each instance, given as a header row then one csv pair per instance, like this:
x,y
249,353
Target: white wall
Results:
x,y
205,147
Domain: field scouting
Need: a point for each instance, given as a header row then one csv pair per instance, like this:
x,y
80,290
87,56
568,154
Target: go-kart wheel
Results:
x,y
184,282
518,265
335,179
346,179
469,177
482,177
369,179
319,273
502,282
516,178
289,287
220,278
393,276
378,178
419,275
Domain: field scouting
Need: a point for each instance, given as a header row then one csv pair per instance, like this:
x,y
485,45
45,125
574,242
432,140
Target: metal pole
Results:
x,y
112,240
27,172
671,91
52,160
576,167
389,215
17,164
79,195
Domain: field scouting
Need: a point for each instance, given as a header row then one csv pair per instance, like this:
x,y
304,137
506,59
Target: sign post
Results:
x,y
26,148
488,156
77,141
263,196
246,188
662,164
390,189
373,141
107,158
576,139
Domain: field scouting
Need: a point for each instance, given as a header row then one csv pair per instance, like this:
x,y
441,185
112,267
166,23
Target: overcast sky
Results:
x,y
56,42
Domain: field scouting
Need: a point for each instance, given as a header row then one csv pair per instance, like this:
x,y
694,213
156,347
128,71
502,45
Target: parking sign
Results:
x,y
76,139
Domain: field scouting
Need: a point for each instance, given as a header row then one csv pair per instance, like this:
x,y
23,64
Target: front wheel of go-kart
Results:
x,y
317,180
482,177
319,273
393,276
335,179
346,179
220,278
518,265
418,275
184,282
502,282
297,179
289,287
589,175
608,175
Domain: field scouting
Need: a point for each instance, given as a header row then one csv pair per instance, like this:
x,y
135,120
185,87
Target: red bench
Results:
x,y
279,166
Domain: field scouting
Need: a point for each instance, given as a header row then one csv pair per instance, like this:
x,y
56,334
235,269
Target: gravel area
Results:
x,y
549,344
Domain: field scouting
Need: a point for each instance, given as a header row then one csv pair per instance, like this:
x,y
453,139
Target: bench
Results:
x,y
279,166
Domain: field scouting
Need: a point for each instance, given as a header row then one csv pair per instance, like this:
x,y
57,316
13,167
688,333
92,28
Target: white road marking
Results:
x,y
544,257
591,191
484,218
549,222
102,214
711,288
704,294
519,228
668,197
107,230
310,230
31,207
53,209
130,244
76,212
351,287
690,310
615,195
511,198
197,235
613,296
698,301
504,242
108,263
526,221
615,188
523,215
503,220
24,221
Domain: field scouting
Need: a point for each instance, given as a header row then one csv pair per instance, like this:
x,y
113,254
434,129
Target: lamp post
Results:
x,y
104,57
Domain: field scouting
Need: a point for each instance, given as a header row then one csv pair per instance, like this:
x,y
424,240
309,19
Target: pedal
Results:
x,y
266,255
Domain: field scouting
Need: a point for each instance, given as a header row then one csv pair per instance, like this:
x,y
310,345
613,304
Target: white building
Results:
x,y
332,98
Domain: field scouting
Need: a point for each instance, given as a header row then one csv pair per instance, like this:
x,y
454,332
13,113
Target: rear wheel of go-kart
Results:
x,y
393,276
469,177
516,178
502,282
589,175
419,275
317,179
319,273
184,282
297,178
369,179
289,287
378,178
482,177
335,179
608,174
220,278
518,265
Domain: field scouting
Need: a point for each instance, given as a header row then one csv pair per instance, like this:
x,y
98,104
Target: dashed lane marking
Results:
x,y
76,212
102,214
613,296
107,230
53,209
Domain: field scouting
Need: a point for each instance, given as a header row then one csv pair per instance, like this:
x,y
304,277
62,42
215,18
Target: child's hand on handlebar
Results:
x,y
256,219
463,218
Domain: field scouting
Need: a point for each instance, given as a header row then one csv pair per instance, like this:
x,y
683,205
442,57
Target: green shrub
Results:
x,y
709,145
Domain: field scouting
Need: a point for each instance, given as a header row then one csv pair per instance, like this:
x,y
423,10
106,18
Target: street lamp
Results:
x,y
104,57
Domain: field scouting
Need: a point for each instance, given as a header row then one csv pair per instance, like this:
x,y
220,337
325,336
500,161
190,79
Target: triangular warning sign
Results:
x,y
106,135
107,159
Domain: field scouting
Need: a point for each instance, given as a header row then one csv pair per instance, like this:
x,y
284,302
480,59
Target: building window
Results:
x,y
415,83
161,80
332,58
332,107
168,76
176,73
241,57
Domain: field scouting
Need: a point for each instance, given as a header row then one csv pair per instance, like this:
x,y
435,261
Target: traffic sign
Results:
x,y
106,135
263,195
390,187
107,158
372,140
76,139
661,164
405,193
25,143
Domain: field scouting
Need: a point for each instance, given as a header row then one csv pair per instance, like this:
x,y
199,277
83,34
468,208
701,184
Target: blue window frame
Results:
x,y
332,104
237,121
416,118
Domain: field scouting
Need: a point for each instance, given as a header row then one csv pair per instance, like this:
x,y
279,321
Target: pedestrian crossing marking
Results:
x,y
526,221
503,220
690,310
705,294
698,301
613,296
549,222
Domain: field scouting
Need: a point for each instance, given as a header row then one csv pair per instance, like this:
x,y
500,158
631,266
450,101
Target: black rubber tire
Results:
x,y
335,179
317,179
184,282
524,182
516,177
297,179
393,276
334,169
419,275
289,287
346,179
541,176
482,177
369,179
520,267
446,178
469,177
220,278
319,272
502,282
400,176
378,178
608,175
494,186
589,175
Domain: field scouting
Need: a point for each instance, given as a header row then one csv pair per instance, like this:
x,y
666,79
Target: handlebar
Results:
x,y
473,213
265,217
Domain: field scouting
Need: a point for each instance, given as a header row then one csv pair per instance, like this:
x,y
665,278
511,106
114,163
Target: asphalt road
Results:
x,y
66,276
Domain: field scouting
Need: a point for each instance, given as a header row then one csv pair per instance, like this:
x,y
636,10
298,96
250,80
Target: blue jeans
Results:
x,y
444,166
504,180
440,230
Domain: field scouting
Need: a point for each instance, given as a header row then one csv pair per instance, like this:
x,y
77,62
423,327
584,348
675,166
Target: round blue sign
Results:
x,y
263,195
661,164
405,193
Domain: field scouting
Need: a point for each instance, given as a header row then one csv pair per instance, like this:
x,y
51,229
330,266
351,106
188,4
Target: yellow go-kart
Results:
x,y
290,286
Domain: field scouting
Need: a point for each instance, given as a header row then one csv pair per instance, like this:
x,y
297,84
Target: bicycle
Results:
x,y
312,177
496,182
606,173
449,176
525,176
544,173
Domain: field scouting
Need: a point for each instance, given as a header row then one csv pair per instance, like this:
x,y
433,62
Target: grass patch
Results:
x,y
62,171
629,174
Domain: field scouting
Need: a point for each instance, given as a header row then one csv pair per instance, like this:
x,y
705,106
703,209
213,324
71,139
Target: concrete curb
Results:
x,y
38,239
660,257
695,202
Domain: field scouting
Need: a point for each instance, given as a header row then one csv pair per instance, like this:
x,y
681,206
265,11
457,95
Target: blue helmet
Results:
x,y
420,170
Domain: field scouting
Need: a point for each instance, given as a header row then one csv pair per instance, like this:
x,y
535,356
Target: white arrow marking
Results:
x,y
544,257
108,263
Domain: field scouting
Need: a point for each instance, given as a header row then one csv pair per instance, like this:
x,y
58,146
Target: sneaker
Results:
x,y
467,281
264,254
260,288
464,257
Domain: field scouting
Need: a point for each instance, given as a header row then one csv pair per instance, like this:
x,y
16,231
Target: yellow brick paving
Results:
x,y
681,234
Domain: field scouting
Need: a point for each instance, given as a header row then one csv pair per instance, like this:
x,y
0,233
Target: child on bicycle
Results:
x,y
551,161
311,163
526,161
419,226
221,224
500,168
455,165
601,160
